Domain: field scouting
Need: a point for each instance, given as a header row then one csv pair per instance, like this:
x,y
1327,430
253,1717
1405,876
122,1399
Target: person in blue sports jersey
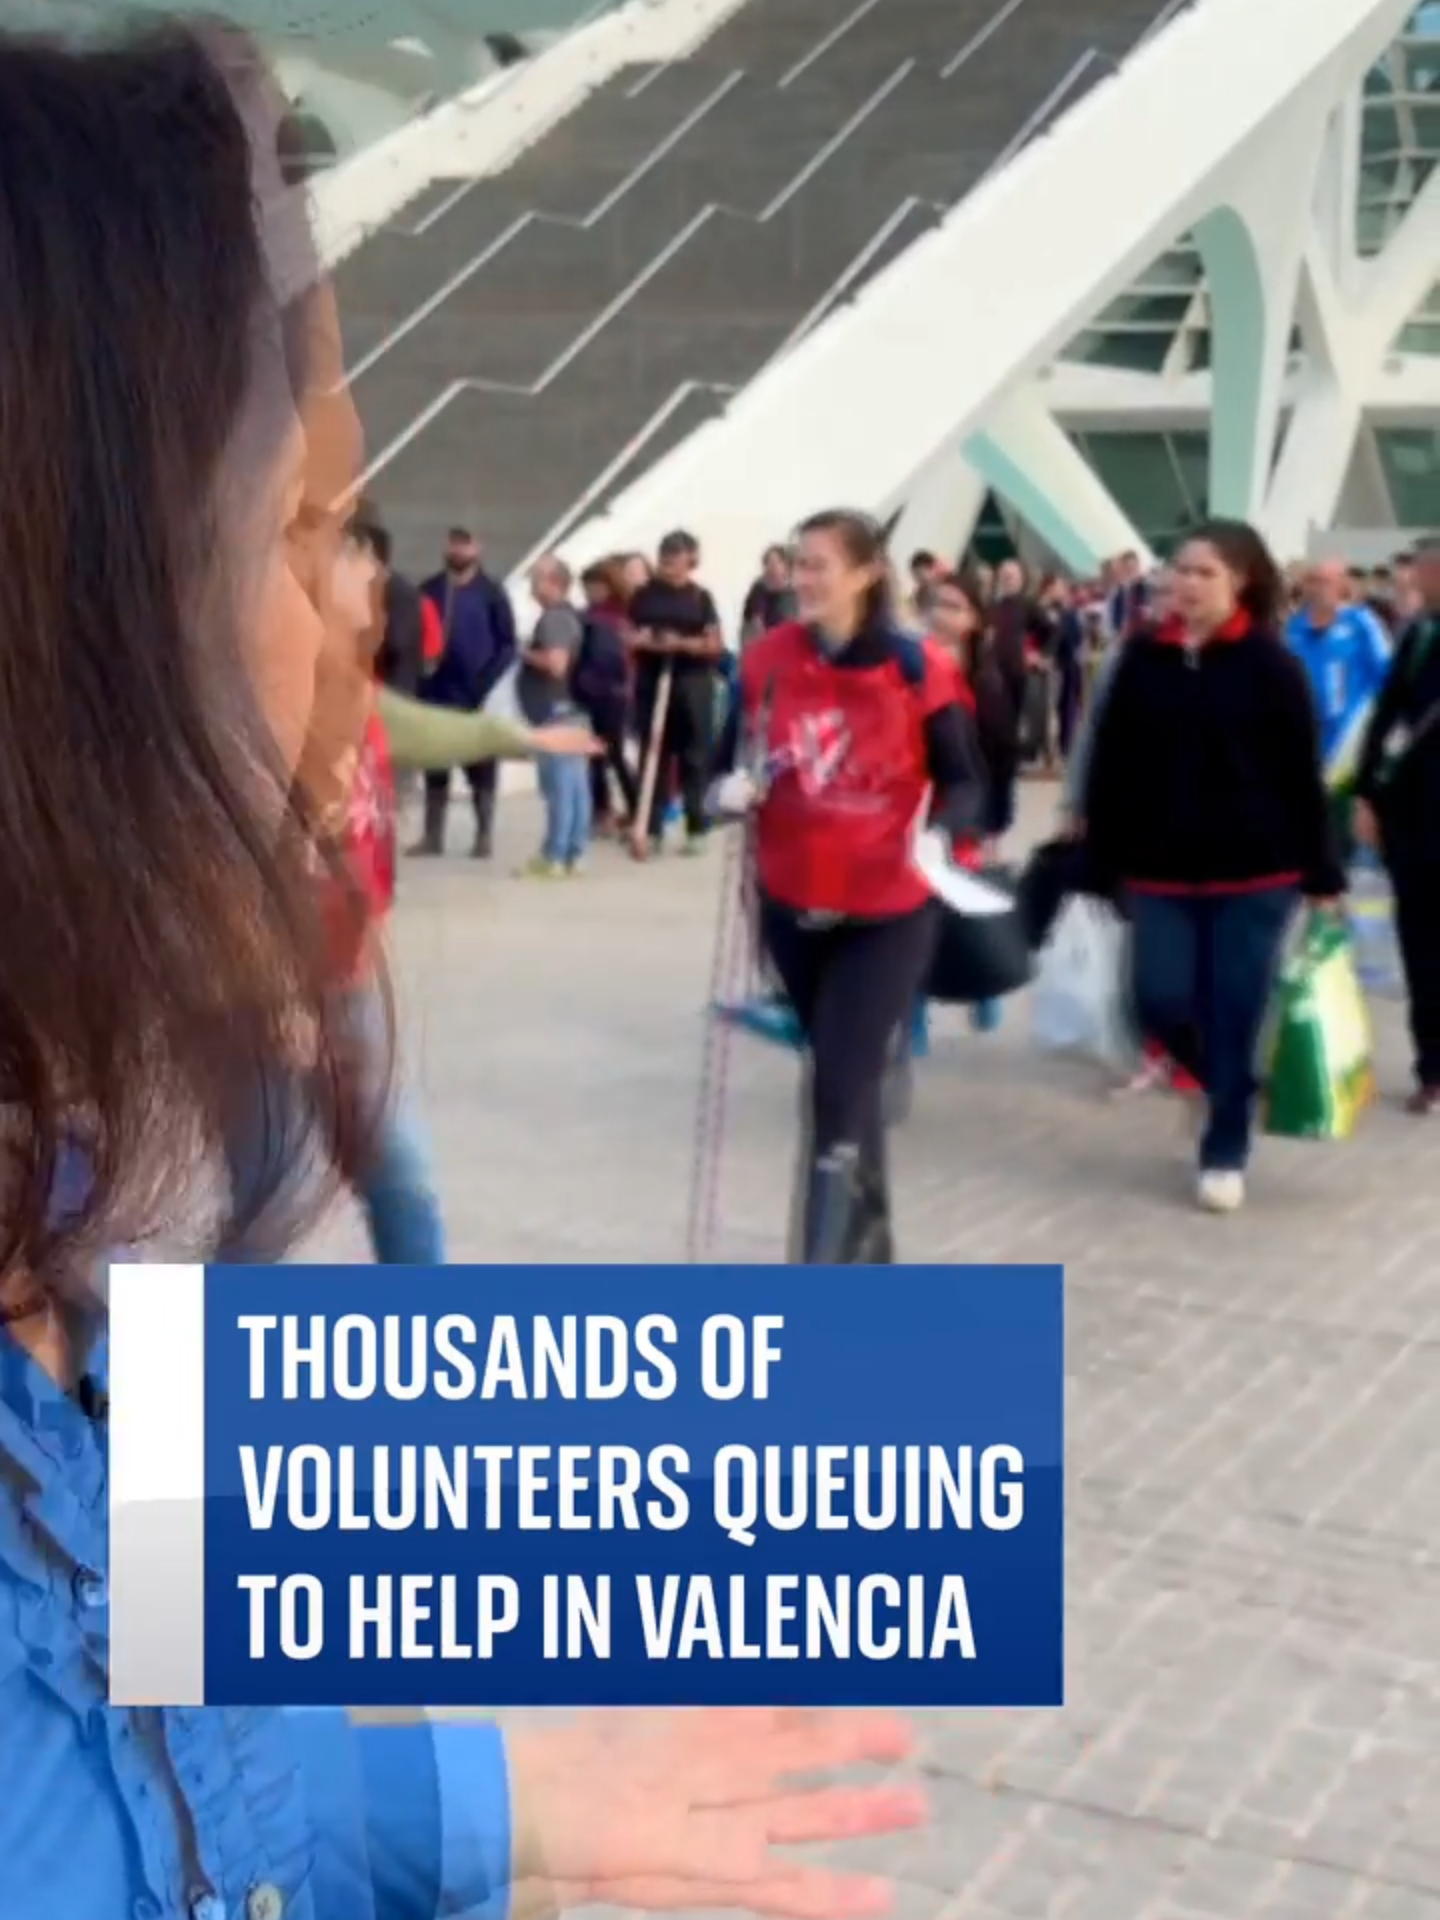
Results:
x,y
1344,649
177,439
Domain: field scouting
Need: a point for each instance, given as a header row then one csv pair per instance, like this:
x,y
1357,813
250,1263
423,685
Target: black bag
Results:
x,y
981,956
1052,874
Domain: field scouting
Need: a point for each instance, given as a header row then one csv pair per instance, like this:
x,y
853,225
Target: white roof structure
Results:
x,y
1213,285
1239,232
1135,388
358,69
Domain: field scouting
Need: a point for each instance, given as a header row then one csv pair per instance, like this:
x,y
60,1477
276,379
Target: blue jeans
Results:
x,y
565,787
1204,970
396,1190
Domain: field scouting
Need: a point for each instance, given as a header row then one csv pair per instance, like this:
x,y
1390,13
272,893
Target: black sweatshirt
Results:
x,y
953,758
1015,624
400,662
1205,774
1399,770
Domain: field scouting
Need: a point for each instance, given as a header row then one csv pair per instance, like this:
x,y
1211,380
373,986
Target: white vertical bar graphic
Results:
x,y
157,1486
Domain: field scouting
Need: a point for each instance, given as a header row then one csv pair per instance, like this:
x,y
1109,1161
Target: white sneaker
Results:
x,y
1220,1190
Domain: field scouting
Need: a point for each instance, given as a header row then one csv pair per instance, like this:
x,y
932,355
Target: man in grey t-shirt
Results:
x,y
548,660
547,665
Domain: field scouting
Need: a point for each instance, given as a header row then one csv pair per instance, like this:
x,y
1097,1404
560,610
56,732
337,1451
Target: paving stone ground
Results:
x,y
1253,1727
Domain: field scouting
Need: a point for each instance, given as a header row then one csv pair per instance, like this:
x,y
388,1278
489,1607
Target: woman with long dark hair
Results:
x,y
1205,802
181,710
846,730
771,599
957,621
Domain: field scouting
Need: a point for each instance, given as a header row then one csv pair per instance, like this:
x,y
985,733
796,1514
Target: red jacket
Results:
x,y
432,631
847,768
969,851
944,664
370,858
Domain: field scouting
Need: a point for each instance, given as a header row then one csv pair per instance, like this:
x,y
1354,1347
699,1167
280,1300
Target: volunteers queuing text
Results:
x,y
497,1489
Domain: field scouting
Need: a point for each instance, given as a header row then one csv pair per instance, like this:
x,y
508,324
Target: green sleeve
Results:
x,y
434,739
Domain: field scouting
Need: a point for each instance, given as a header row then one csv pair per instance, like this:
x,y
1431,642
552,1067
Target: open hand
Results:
x,y
734,795
567,738
672,1810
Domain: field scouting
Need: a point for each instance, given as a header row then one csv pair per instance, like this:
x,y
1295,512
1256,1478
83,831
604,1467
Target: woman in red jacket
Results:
x,y
848,736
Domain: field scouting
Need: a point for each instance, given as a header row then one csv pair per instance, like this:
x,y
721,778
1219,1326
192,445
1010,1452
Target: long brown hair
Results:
x,y
612,570
1260,585
162,946
862,541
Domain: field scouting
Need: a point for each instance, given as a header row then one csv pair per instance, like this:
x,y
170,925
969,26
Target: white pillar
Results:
x,y
1365,499
1305,490
1252,245
1350,312
1335,189
1024,454
940,508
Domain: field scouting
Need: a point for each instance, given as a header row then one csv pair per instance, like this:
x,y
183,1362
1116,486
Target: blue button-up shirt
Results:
x,y
117,1814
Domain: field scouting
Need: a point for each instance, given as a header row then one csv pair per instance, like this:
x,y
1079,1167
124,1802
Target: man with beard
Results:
x,y
478,624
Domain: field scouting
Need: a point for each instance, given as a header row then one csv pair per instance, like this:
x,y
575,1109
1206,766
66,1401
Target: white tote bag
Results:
x,y
1081,1001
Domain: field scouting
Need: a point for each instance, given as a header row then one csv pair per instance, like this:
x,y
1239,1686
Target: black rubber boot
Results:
x,y
832,1216
875,1236
484,846
432,836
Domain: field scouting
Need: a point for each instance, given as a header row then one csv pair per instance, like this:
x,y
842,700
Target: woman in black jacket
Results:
x,y
957,621
1205,802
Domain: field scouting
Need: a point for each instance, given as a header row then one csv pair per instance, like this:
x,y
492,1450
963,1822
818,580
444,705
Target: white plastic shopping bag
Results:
x,y
1082,1000
1372,928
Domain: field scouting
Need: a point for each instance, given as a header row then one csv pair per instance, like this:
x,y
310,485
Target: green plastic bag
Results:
x,y
1319,1074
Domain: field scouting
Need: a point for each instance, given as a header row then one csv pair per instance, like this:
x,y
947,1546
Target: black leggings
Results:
x,y
1417,924
853,987
614,761
689,731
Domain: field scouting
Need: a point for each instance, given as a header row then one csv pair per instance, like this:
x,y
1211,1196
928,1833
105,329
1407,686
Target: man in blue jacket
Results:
x,y
1344,650
479,627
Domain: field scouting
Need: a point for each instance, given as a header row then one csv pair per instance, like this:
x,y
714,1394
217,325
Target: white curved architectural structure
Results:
x,y
1240,126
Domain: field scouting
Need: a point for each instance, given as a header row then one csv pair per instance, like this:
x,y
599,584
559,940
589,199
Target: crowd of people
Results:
x,y
1245,732
1037,647
1212,786
606,643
